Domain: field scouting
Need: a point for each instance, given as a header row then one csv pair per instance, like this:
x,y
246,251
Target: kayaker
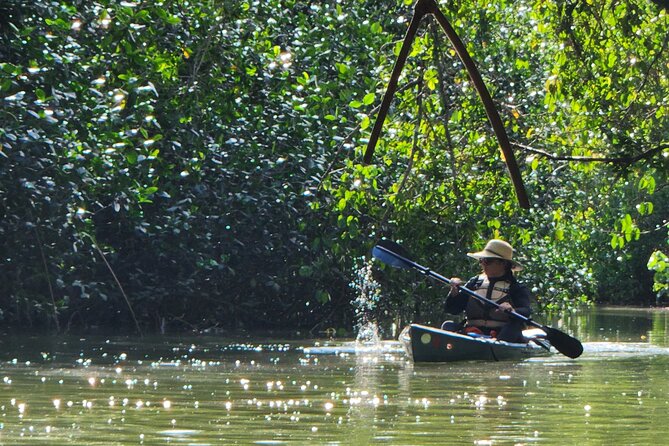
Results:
x,y
497,283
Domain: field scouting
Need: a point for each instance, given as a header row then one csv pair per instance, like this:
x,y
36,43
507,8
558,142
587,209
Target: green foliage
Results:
x,y
184,138
659,263
583,93
212,152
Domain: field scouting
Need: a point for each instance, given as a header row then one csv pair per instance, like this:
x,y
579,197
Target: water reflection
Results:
x,y
659,331
89,391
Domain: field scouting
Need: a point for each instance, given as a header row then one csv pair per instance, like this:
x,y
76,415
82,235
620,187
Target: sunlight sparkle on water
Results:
x,y
357,387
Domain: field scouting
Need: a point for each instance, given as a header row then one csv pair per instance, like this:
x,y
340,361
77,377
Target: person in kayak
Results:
x,y
497,283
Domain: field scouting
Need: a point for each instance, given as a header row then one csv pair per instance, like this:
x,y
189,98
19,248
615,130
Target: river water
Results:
x,y
98,390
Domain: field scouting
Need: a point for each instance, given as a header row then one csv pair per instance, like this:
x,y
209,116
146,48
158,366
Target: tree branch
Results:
x,y
618,160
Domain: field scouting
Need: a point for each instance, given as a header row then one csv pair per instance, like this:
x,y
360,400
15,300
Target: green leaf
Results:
x,y
342,204
368,99
343,69
131,157
364,123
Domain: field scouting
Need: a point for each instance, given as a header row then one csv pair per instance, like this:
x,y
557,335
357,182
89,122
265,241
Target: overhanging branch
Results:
x,y
421,9
617,160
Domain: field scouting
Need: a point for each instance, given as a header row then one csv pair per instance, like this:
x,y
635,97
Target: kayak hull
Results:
x,y
429,344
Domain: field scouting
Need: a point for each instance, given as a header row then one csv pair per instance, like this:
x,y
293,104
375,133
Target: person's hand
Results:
x,y
505,307
455,283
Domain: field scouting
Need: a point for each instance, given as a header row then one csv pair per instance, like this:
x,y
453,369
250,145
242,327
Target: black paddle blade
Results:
x,y
564,343
396,248
392,254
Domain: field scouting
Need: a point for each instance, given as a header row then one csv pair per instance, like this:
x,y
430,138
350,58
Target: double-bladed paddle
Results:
x,y
394,255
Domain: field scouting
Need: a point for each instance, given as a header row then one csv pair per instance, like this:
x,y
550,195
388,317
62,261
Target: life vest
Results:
x,y
481,314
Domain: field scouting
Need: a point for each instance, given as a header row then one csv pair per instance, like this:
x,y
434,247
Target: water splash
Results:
x,y
368,293
368,335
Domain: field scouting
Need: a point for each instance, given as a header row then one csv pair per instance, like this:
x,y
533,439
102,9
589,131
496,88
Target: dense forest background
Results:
x,y
176,165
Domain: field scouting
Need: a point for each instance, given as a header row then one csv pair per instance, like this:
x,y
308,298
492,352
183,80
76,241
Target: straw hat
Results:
x,y
497,249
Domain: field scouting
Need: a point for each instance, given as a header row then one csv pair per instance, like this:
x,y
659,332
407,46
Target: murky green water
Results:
x,y
211,391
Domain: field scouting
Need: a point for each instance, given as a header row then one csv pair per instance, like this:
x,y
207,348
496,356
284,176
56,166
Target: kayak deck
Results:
x,y
430,344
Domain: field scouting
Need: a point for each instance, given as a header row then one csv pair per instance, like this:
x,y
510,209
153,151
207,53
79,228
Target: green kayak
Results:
x,y
429,344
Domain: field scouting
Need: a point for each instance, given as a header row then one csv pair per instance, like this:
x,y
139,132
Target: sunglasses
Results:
x,y
488,261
